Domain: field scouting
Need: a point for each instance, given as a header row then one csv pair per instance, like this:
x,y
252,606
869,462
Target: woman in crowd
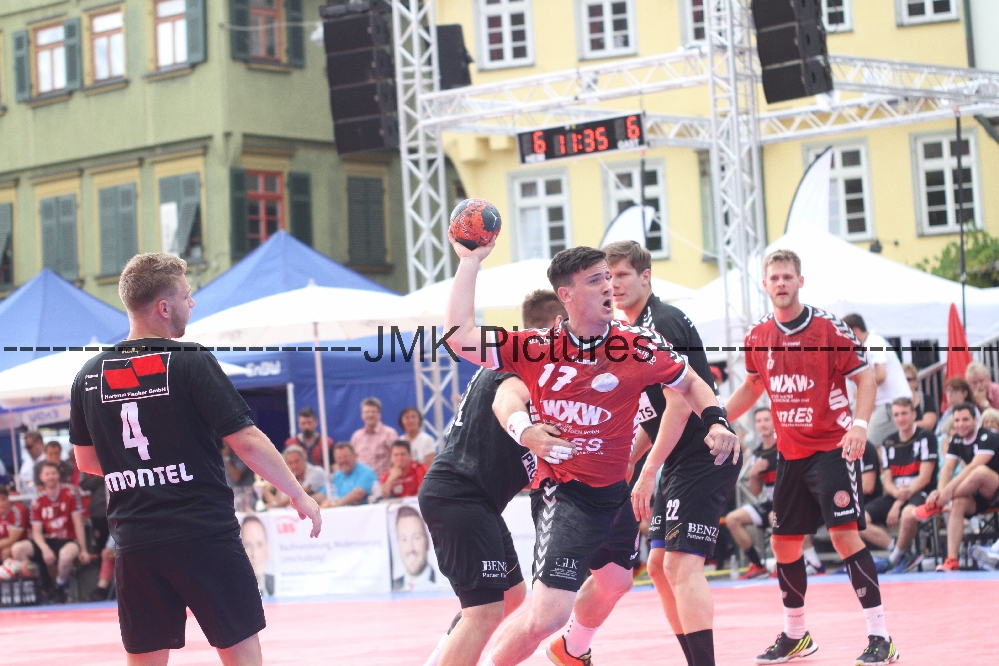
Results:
x,y
421,445
956,390
927,410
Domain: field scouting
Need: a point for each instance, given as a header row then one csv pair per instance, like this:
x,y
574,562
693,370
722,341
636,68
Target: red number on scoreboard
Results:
x,y
575,142
589,143
561,144
539,142
602,142
634,128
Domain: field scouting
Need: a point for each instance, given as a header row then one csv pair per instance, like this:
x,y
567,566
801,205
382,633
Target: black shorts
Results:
x,y
473,544
55,544
879,507
822,488
759,513
983,504
581,528
211,576
687,506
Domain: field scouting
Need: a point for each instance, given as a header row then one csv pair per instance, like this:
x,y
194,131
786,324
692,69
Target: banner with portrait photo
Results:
x,y
414,563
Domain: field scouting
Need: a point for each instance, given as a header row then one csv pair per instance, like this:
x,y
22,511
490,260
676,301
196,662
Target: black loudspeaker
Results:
x,y
356,26
770,13
453,57
791,44
797,79
794,41
344,69
354,136
374,98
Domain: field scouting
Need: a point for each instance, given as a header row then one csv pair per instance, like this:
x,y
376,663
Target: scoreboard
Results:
x,y
599,136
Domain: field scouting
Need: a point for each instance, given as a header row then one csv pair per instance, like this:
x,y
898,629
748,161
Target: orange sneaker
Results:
x,y
754,571
950,564
559,655
926,511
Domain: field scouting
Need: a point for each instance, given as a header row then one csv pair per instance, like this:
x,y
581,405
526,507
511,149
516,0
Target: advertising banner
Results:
x,y
414,564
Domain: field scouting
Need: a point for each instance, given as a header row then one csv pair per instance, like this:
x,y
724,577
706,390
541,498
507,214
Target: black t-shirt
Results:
x,y
904,458
153,410
928,403
985,441
871,462
479,450
679,331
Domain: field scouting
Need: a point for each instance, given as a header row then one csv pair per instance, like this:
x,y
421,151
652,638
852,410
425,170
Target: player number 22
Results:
x,y
672,507
566,373
131,433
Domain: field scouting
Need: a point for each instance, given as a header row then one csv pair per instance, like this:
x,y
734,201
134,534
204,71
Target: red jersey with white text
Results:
x,y
407,485
804,365
590,391
16,518
55,513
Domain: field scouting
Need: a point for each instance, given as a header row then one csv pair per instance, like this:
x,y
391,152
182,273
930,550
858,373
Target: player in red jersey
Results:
x,y
585,378
802,356
13,523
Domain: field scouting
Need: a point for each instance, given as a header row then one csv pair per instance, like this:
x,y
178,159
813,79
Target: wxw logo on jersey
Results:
x,y
790,383
580,413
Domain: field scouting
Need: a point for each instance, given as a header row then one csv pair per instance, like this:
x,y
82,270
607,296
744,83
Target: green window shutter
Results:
x,y
6,244
187,210
69,266
74,61
197,49
366,220
128,225
107,206
293,16
300,201
50,242
239,221
169,194
239,17
22,67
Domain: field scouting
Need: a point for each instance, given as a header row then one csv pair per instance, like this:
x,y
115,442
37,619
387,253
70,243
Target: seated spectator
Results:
x,y
990,420
927,410
404,477
308,437
984,391
53,454
108,555
35,445
762,476
421,445
972,491
238,477
13,523
310,477
956,391
373,442
57,536
354,480
909,459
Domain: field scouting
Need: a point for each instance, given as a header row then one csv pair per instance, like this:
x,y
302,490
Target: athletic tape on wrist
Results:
x,y
861,423
516,424
715,414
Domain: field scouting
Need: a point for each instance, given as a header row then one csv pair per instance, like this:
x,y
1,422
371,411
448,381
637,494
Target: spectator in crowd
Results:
x,y
53,454
310,477
238,477
957,390
414,544
990,420
984,391
927,409
971,492
308,437
254,537
373,442
909,459
354,481
13,523
404,477
888,374
762,476
57,536
421,445
108,555
36,453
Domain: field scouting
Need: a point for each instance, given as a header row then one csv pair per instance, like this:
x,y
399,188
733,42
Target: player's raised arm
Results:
x,y
510,407
460,312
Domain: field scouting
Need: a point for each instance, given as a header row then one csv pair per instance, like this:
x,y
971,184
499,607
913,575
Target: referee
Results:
x,y
147,416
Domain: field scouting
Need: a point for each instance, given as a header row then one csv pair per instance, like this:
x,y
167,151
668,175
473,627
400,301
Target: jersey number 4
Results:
x,y
131,433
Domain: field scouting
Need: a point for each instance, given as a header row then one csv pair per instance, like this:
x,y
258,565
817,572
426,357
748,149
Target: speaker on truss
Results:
x,y
791,44
360,71
453,58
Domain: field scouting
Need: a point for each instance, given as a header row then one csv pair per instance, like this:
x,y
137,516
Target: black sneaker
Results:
x,y
880,651
786,649
58,594
98,594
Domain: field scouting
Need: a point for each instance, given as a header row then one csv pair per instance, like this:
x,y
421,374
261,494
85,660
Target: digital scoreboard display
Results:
x,y
599,136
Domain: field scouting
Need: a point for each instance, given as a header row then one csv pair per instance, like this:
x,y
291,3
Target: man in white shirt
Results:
x,y
888,373
36,453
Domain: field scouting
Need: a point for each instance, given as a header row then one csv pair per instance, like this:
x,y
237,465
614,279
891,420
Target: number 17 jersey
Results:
x,y
154,413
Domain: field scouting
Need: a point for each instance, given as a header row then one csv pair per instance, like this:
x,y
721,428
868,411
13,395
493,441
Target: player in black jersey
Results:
x,y
690,497
463,497
147,416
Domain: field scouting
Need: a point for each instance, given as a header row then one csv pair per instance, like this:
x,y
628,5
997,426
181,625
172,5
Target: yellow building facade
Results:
x,y
891,185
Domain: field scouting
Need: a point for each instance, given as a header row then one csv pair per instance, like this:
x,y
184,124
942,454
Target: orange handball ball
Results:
x,y
475,222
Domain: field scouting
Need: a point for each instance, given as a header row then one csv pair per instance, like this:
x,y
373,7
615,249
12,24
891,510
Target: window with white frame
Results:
x,y
108,45
937,186
837,15
50,58
171,33
914,12
506,36
608,28
627,188
542,206
849,192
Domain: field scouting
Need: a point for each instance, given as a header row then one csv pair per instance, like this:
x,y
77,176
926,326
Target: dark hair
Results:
x,y
53,445
403,444
959,384
48,463
570,261
636,255
250,518
4,491
540,309
406,410
855,321
407,512
344,445
961,406
33,436
372,402
903,402
306,412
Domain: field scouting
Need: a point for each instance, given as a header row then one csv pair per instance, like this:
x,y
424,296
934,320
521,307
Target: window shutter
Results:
x,y
107,204
197,49
187,209
22,68
6,243
47,213
293,16
239,17
239,209
69,267
300,200
128,225
74,62
366,220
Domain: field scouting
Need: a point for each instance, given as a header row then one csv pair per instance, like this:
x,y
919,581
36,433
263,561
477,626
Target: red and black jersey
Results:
x,y
769,476
904,458
589,390
55,512
15,518
804,364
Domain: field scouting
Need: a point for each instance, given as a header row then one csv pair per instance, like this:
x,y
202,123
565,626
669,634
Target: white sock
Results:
x,y
61,581
578,638
794,622
896,556
436,654
489,660
891,546
812,557
876,621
